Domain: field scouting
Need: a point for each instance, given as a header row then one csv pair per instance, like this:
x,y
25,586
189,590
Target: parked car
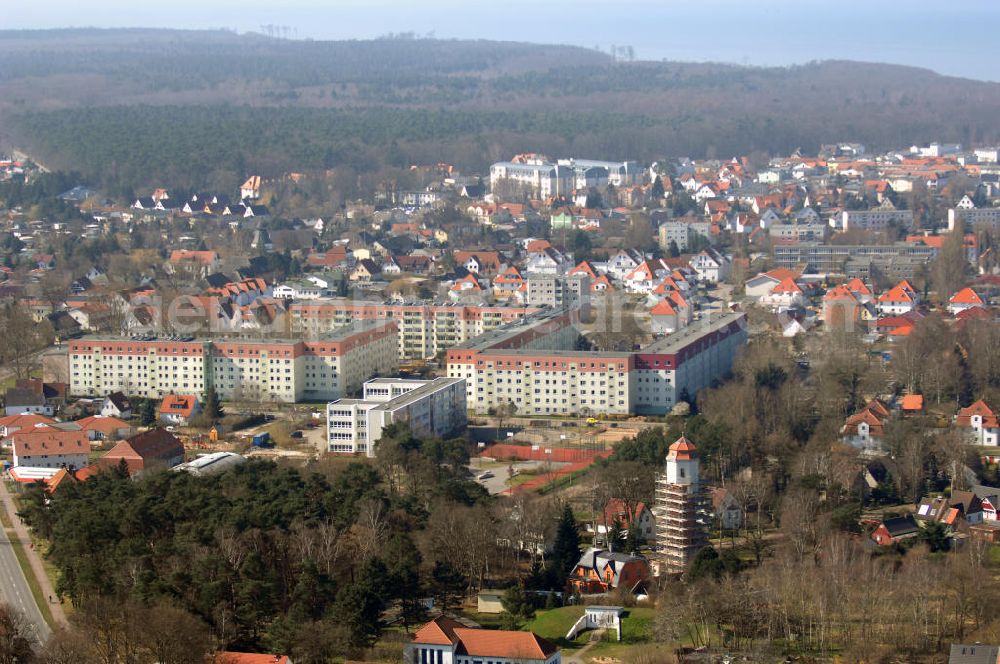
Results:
x,y
485,476
296,434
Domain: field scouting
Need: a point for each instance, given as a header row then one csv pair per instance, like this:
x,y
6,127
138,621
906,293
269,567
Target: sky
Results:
x,y
957,37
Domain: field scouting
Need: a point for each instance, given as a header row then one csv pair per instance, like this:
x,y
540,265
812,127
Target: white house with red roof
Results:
x,y
102,427
601,285
785,295
446,641
507,284
645,276
964,299
13,423
179,408
762,284
981,422
624,262
899,299
664,318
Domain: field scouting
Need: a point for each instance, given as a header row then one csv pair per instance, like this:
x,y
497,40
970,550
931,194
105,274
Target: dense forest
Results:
x,y
136,108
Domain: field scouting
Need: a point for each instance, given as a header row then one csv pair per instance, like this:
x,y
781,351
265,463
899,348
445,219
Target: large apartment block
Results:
x,y
878,219
817,257
974,218
428,407
557,290
424,329
279,370
532,365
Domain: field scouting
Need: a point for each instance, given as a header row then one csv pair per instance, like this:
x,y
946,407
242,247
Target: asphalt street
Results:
x,y
14,589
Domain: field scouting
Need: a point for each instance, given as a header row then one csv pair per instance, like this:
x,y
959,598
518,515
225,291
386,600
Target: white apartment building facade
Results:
x,y
878,219
530,364
277,370
429,407
424,329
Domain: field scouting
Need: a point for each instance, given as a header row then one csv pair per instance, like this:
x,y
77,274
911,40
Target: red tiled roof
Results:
x,y
966,296
913,402
682,450
980,408
102,424
504,644
249,658
178,404
50,442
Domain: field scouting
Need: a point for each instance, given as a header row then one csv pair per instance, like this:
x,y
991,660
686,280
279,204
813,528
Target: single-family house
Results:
x,y
479,262
364,270
102,427
785,295
899,299
711,266
726,509
964,299
865,428
760,285
116,404
179,409
981,423
895,529
600,571
641,518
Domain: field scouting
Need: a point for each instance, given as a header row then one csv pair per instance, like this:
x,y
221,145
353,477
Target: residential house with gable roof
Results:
x,y
600,571
155,448
899,299
865,428
47,447
964,299
785,295
981,422
896,529
711,265
179,408
760,285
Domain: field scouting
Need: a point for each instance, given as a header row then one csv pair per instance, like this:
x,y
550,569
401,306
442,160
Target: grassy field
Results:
x,y
553,624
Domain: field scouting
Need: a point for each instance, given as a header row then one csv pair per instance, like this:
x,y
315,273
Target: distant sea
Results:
x,y
956,38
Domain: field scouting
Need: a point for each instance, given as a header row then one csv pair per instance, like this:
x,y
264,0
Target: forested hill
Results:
x,y
138,107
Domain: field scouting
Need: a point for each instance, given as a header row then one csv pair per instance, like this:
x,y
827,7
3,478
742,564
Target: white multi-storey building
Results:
x,y
424,329
429,407
530,364
878,219
539,178
279,370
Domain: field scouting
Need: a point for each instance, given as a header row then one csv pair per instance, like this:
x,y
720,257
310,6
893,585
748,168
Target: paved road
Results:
x,y
14,588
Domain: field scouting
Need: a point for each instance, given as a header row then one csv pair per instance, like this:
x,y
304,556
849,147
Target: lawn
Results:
x,y
553,624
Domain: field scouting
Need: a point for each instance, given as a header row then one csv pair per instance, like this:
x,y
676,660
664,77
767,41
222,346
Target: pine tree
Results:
x,y
213,409
447,585
517,608
403,561
147,413
566,550
657,192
